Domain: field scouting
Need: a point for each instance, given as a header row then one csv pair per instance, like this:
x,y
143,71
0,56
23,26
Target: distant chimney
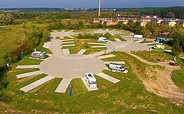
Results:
x,y
99,8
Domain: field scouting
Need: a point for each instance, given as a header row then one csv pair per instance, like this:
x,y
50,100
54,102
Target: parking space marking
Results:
x,y
63,85
106,56
117,39
89,89
66,51
81,51
68,45
36,83
107,77
118,62
27,66
96,43
98,46
28,74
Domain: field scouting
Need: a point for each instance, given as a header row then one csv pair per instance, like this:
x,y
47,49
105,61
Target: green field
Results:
x,y
127,96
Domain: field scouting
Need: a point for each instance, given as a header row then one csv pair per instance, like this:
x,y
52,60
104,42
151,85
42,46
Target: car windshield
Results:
x,y
92,82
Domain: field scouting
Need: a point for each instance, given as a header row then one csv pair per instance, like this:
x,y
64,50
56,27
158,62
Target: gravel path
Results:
x,y
63,85
36,84
27,66
107,77
28,74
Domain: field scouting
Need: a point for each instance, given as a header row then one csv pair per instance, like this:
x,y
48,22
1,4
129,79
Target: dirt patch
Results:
x,y
163,85
103,95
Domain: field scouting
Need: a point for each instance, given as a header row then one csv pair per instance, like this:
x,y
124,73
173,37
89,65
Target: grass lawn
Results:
x,y
41,48
158,54
22,71
178,78
27,82
127,96
28,61
167,47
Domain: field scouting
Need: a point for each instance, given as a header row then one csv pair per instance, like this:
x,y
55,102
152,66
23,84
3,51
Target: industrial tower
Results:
x,y
99,8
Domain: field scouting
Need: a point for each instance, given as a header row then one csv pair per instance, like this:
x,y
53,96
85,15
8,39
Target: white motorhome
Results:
x,y
138,36
38,54
159,47
90,80
116,67
102,39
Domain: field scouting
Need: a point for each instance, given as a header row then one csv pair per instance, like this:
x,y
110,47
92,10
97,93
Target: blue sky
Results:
x,y
88,3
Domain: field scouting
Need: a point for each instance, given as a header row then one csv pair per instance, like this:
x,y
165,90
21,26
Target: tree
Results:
x,y
38,19
46,34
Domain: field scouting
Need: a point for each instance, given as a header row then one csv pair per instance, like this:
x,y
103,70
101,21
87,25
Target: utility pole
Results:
x,y
99,8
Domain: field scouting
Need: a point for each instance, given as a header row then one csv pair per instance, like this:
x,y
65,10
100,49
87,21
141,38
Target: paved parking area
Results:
x,y
63,85
81,51
28,74
109,78
27,66
106,56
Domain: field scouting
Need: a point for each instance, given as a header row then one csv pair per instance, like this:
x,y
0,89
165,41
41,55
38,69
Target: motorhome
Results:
x,y
138,36
159,47
116,67
90,80
102,39
38,54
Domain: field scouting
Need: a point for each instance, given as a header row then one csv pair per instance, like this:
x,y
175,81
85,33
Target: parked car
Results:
x,y
38,54
102,39
116,67
138,36
90,80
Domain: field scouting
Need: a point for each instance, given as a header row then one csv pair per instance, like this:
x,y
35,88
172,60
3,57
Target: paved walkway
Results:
x,y
27,66
118,62
68,42
81,51
117,39
66,51
98,46
46,45
55,47
106,56
68,45
63,85
36,84
107,77
28,74
89,89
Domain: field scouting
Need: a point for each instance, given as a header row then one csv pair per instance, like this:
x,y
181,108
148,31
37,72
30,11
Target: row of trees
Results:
x,y
178,42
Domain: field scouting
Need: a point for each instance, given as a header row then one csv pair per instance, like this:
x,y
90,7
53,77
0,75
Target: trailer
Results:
x,y
102,39
90,80
38,54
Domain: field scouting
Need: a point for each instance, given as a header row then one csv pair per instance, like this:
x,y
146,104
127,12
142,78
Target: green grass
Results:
x,y
41,48
167,47
28,61
22,71
127,96
178,78
27,82
53,84
87,52
135,40
146,42
73,50
158,54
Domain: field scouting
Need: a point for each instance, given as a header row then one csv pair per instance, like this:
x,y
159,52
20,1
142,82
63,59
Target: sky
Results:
x,y
88,3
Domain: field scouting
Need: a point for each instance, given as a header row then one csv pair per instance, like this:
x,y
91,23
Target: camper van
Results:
x,y
90,80
138,36
116,67
102,39
38,54
159,47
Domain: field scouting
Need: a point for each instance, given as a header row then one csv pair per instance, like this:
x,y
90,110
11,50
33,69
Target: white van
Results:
x,y
138,36
90,80
102,39
116,67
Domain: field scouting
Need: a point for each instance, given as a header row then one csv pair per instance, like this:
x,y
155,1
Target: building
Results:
x,y
163,40
146,19
168,23
142,23
150,16
123,20
171,19
110,23
156,20
181,22
96,20
132,20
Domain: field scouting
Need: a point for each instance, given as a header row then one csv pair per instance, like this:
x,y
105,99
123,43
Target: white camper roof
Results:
x,y
91,77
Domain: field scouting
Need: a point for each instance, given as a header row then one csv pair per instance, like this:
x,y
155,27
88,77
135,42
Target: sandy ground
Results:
x,y
163,86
